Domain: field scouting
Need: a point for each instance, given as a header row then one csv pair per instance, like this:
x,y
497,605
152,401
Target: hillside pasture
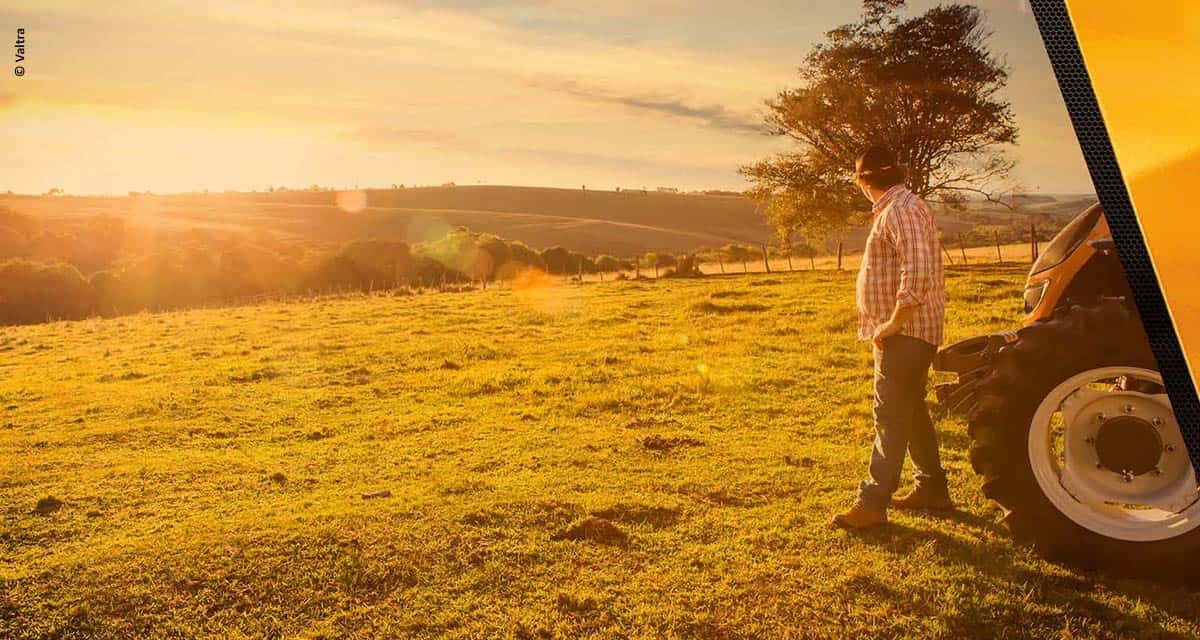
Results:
x,y
618,460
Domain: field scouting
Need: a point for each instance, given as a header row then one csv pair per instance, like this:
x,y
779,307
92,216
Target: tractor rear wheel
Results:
x,y
1074,436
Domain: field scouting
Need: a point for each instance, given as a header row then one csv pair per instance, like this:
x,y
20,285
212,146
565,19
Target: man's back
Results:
x,y
902,262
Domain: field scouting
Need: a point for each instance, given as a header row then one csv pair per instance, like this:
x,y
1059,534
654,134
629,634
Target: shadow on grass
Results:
x,y
1071,595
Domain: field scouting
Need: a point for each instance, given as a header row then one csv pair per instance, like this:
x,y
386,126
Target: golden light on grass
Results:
x,y
352,201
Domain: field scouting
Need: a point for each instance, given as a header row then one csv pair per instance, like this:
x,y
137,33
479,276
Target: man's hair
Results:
x,y
878,167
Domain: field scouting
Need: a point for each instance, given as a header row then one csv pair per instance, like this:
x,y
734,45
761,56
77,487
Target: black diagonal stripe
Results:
x,y
1059,36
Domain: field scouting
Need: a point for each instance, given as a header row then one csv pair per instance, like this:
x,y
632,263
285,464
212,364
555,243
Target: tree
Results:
x,y
927,86
557,260
521,254
606,263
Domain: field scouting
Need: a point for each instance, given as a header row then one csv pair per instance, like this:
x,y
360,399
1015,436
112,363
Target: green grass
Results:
x,y
209,466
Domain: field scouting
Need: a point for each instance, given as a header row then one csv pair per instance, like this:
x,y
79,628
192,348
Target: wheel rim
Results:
x,y
1107,452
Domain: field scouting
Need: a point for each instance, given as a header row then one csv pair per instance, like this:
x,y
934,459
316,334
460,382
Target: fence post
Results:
x,y
963,248
1033,241
999,256
839,255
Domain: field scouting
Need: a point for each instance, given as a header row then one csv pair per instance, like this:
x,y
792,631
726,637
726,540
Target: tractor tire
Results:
x,y
1045,355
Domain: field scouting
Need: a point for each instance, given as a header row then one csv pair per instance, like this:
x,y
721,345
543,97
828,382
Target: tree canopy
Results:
x,y
927,86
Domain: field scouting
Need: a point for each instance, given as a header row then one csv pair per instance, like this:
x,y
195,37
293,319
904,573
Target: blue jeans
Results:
x,y
902,421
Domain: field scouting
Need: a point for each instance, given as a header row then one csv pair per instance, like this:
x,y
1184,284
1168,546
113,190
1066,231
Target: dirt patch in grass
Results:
x,y
47,505
710,307
799,462
668,443
259,375
656,517
593,529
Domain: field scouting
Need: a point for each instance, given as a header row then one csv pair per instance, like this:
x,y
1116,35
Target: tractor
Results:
x,y
1071,428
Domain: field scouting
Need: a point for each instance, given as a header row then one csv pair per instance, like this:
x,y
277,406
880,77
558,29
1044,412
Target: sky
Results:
x,y
172,96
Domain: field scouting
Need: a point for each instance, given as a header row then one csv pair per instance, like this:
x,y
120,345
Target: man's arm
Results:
x,y
901,314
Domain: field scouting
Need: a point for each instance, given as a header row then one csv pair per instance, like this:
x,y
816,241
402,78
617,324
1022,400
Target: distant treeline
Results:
x,y
103,267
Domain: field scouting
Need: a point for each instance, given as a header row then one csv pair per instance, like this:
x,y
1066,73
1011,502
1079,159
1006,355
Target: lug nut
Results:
x,y
1168,448
1101,417
1130,408
1090,439
1158,422
1156,471
1126,476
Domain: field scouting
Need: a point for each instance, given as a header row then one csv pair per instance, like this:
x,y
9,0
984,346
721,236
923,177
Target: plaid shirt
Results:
x,y
902,262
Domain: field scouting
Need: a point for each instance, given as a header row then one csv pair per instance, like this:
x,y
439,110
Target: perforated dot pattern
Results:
x,y
1076,86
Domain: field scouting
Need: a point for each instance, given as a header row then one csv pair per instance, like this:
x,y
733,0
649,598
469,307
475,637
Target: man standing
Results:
x,y
901,301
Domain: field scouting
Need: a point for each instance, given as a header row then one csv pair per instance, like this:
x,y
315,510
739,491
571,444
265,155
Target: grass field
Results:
x,y
627,459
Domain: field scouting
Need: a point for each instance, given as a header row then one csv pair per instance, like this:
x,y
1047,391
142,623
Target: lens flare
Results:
x,y
352,201
544,292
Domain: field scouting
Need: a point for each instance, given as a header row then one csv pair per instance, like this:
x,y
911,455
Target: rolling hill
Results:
x,y
588,221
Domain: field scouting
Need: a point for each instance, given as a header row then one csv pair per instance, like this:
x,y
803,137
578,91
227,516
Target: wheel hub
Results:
x,y
1107,452
1128,445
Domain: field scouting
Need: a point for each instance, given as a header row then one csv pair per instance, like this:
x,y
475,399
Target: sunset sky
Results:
x,y
174,96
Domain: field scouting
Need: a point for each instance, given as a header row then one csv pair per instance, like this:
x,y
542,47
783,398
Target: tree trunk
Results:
x,y
839,257
766,262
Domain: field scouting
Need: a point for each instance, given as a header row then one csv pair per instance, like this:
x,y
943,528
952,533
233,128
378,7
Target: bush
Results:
x,y
36,292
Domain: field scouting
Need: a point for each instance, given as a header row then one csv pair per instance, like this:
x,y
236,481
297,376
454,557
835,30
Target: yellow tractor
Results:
x,y
1070,423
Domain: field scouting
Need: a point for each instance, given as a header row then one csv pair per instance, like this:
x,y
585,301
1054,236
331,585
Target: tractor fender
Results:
x,y
971,360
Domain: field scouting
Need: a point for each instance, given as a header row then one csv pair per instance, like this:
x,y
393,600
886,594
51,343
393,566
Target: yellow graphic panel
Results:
x,y
1142,61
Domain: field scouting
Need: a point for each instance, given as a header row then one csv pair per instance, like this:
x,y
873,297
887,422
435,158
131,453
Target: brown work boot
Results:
x,y
860,516
923,497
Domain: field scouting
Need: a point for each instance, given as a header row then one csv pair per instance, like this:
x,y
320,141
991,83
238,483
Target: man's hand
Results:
x,y
885,331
